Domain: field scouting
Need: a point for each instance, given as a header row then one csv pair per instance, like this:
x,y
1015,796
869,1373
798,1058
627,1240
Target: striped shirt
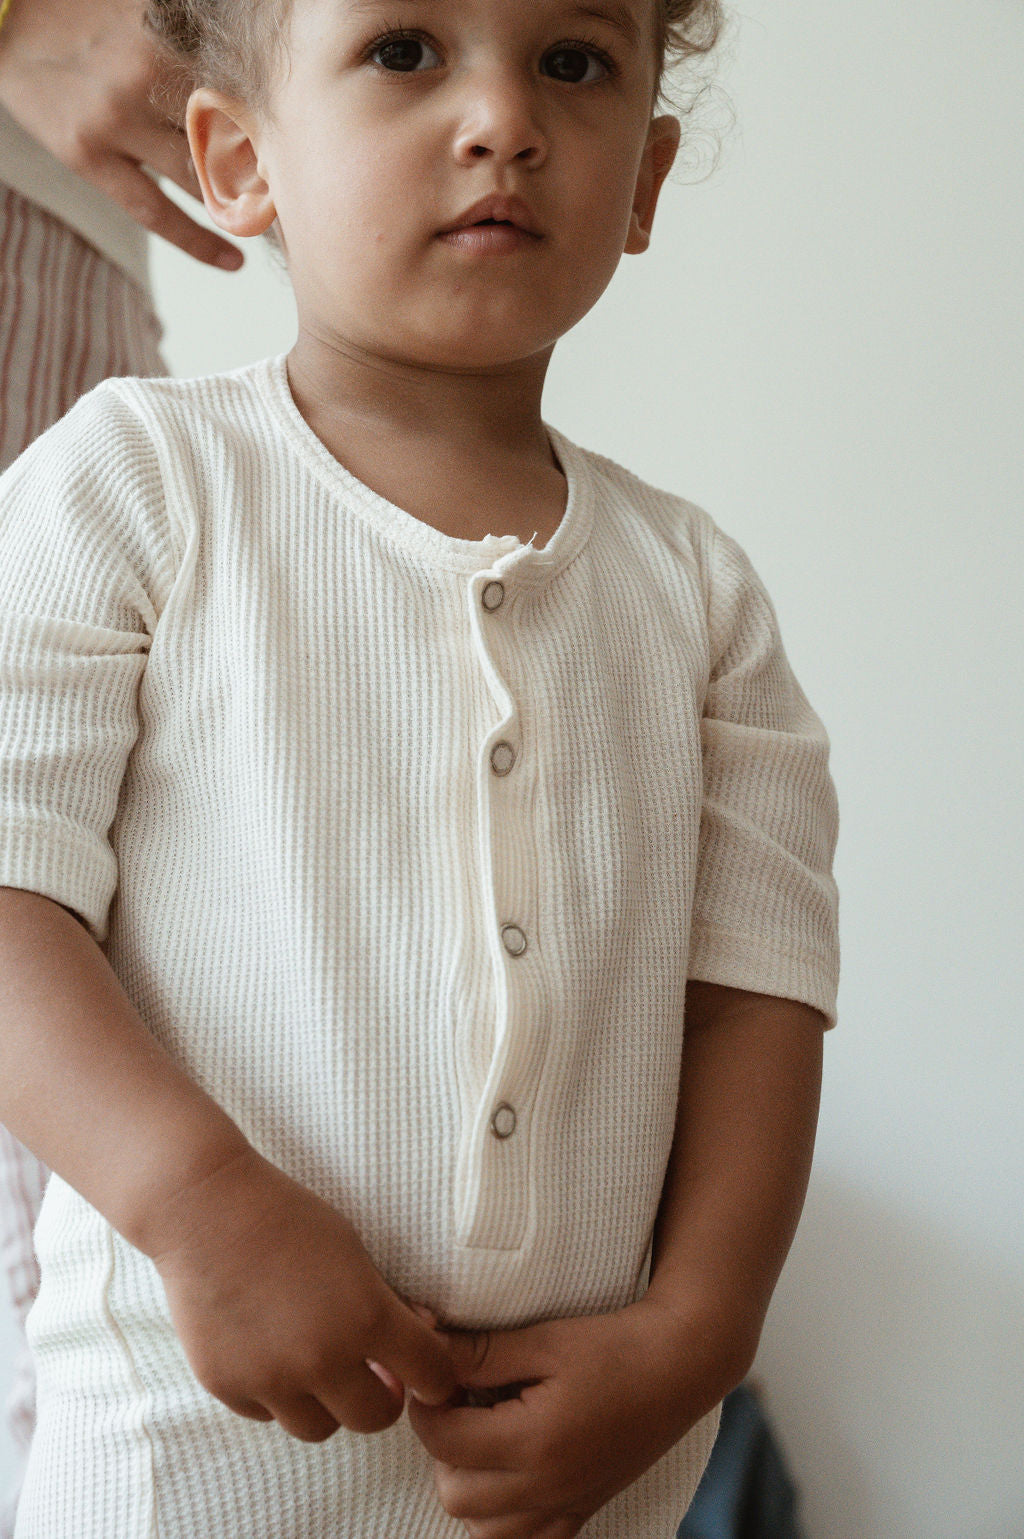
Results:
x,y
29,168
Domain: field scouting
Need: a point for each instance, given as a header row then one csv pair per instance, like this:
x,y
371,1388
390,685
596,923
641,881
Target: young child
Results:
x,y
382,779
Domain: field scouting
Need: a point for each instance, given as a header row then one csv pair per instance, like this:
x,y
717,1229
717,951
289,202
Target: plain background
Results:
x,y
824,348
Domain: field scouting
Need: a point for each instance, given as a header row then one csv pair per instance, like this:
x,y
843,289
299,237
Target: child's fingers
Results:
x,y
471,1438
482,1493
493,1359
524,1524
306,1419
385,1375
387,1378
250,1409
418,1356
361,1401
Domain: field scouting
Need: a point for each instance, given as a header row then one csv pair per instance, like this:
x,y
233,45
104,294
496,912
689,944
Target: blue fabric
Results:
x,y
746,1492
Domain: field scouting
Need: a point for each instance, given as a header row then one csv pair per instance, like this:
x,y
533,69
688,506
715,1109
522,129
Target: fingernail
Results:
x,y
387,1378
231,261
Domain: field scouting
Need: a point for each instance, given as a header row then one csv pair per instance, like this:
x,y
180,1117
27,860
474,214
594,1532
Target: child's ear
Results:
x,y
222,138
659,153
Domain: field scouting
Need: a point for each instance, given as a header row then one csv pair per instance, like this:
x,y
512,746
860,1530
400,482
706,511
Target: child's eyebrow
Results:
x,y
616,15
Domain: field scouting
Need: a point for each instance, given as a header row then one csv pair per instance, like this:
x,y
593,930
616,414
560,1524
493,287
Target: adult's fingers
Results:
x,y
165,150
138,194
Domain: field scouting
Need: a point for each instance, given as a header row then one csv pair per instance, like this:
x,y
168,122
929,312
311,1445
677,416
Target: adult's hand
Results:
x,y
86,80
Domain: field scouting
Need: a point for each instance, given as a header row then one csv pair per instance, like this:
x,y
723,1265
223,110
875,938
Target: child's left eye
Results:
x,y
404,55
576,64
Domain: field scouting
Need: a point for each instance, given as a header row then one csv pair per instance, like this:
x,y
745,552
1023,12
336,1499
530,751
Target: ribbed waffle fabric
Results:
x,y
22,1183
247,717
68,319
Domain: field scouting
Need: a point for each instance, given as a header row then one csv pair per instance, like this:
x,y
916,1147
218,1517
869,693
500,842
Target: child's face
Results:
x,y
379,142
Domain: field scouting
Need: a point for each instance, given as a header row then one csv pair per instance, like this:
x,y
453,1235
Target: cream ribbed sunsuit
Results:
x,y
407,846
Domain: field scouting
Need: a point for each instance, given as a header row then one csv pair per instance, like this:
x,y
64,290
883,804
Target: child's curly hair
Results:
x,y
235,44
686,28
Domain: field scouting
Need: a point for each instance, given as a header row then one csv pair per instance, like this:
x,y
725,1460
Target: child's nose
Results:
x,y
499,120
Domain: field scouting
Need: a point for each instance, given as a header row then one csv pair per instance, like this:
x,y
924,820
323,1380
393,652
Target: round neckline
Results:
x,y
402,528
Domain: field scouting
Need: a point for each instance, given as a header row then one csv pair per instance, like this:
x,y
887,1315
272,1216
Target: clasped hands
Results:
x,y
284,1317
597,1399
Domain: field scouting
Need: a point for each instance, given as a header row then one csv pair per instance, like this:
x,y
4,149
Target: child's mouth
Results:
x,y
489,237
493,226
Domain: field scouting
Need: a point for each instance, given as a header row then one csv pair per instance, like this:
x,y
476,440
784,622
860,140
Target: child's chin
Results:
x,y
480,349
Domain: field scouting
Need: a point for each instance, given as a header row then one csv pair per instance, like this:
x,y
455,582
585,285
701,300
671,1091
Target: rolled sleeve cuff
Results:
x,y
65,864
749,962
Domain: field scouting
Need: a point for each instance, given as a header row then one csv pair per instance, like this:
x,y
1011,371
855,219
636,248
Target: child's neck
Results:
x,y
466,453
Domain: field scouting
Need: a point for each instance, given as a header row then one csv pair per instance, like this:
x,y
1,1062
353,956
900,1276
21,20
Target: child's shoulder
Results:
x,y
191,402
157,440
676,535
135,421
622,494
124,469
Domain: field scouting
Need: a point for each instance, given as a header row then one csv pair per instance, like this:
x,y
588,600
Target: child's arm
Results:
x,y
275,1300
608,1395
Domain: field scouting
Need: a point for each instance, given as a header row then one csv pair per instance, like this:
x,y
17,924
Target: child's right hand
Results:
x,y
280,1309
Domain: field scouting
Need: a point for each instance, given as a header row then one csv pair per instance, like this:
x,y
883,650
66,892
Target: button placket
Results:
x,y
498,1203
503,755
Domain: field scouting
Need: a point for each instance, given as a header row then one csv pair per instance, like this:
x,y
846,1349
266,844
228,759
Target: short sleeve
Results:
x,y
78,572
765,914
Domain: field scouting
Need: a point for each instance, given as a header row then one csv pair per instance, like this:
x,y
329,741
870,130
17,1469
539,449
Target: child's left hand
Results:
x,y
602,1398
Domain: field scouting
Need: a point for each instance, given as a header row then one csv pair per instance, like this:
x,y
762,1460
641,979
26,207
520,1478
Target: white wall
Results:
x,y
825,349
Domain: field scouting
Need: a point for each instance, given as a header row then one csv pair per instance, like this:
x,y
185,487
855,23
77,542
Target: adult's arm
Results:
x,y
86,80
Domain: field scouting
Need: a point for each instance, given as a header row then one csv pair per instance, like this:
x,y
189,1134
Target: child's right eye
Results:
x,y
404,55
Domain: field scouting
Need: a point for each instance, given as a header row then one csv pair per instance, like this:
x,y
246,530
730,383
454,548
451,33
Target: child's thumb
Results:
x,y
388,1379
496,1365
419,1354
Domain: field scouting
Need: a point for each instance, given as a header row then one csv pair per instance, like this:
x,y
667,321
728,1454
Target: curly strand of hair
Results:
x,y
689,27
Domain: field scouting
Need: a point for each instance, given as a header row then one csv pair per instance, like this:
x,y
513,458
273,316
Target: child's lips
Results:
x,y
489,239
496,223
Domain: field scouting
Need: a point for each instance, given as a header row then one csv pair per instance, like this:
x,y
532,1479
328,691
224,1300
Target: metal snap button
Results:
x,y
503,1123
513,940
493,596
503,757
